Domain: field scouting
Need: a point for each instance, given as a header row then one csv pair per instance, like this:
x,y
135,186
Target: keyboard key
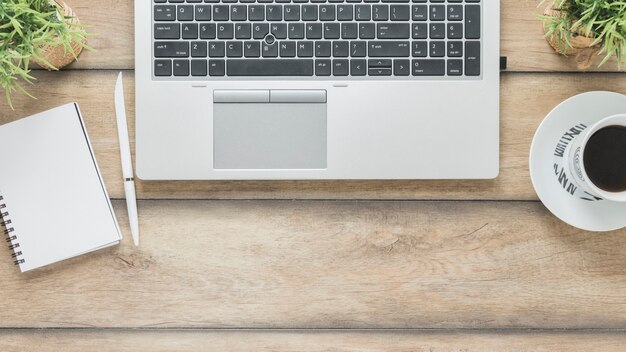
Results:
x,y
238,12
380,12
322,67
455,49
207,30
234,49
199,68
399,12
420,12
256,13
165,12
203,12
252,49
345,12
358,49
292,12
437,49
401,67
185,12
288,49
349,31
314,31
217,49
181,67
437,12
269,50
379,71
225,31
327,13
423,67
274,13
217,68
167,31
393,31
420,31
199,49
270,67
472,22
455,67
322,49
243,31
363,12
358,67
388,49
378,63
190,30
455,12
455,31
341,49
341,67
332,31
260,30
472,58
367,31
162,68
437,31
296,30
419,49
220,12
305,49
309,13
279,30
171,49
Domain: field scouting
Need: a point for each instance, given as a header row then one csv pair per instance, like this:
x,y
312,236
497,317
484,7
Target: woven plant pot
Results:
x,y
56,54
582,46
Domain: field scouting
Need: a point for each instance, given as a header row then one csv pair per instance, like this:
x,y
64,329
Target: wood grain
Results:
x,y
525,100
308,341
332,264
391,262
112,23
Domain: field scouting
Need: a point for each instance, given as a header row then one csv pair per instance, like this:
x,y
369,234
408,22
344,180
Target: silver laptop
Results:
x,y
317,89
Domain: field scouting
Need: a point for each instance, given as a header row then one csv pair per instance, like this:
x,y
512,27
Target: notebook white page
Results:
x,y
52,188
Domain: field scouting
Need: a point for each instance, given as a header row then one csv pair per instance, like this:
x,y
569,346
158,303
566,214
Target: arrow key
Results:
x,y
358,67
401,67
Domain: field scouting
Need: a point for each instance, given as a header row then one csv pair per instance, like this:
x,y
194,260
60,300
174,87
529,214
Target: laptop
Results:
x,y
317,89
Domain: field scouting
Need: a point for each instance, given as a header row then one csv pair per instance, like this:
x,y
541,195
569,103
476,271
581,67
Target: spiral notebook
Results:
x,y
53,203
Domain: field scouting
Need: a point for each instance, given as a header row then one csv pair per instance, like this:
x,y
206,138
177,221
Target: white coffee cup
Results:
x,y
576,159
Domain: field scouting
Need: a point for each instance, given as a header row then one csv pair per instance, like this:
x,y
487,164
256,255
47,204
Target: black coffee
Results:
x,y
605,159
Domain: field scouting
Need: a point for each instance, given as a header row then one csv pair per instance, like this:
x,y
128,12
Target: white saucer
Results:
x,y
550,176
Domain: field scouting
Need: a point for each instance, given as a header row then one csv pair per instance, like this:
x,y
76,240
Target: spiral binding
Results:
x,y
9,232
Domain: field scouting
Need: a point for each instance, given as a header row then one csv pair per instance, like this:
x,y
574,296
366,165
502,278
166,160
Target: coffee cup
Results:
x,y
597,159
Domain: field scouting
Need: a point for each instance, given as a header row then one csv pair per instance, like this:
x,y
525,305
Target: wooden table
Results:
x,y
330,265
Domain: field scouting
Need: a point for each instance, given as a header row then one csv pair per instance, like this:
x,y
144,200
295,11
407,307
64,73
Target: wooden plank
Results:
x,y
523,42
525,100
307,341
112,23
332,264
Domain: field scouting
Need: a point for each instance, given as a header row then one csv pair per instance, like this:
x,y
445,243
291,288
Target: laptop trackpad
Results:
x,y
269,135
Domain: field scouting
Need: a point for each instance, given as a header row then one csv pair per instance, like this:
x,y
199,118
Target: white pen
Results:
x,y
127,162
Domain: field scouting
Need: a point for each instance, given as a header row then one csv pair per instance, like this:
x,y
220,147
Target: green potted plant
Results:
x,y
587,28
46,32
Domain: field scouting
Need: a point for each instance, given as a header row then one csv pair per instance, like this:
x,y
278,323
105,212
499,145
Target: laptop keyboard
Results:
x,y
334,38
